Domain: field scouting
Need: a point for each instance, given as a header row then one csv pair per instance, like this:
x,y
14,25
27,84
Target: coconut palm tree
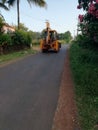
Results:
x,y
2,5
40,3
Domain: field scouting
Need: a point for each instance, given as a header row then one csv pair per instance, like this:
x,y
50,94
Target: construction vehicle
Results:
x,y
50,40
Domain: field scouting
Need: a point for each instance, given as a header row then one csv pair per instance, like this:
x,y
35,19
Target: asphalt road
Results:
x,y
29,90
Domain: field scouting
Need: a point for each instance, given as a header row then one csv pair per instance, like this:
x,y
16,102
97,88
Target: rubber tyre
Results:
x,y
44,51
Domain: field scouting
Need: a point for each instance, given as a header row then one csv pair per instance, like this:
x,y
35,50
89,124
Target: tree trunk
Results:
x,y
1,50
18,14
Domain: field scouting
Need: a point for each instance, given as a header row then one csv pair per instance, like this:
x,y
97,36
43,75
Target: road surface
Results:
x,y
29,90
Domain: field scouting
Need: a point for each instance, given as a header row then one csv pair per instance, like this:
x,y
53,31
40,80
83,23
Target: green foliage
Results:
x,y
65,36
89,24
5,39
36,37
1,24
28,38
84,64
40,3
86,42
21,27
20,37
28,35
2,4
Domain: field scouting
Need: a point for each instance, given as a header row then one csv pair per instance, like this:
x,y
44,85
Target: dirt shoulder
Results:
x,y
66,113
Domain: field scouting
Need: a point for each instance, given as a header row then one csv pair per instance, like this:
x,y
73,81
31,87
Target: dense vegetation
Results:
x,y
65,37
20,39
84,64
89,22
83,55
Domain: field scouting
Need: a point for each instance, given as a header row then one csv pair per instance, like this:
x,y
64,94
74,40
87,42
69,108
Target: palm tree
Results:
x,y
2,5
40,3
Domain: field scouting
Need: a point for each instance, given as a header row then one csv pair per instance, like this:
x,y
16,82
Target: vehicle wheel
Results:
x,y
59,45
57,51
44,50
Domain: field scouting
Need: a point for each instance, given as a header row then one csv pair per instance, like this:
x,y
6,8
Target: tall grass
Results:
x,y
84,64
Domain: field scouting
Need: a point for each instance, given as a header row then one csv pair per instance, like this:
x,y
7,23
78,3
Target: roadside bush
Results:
x,y
88,23
84,64
5,39
15,41
1,24
85,42
29,38
22,38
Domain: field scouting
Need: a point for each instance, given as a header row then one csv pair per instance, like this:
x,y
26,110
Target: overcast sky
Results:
x,y
62,15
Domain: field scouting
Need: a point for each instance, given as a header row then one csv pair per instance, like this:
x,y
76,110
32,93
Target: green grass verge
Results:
x,y
14,55
84,64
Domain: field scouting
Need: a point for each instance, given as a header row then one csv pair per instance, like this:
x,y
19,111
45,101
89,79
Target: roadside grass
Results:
x,y
84,65
15,55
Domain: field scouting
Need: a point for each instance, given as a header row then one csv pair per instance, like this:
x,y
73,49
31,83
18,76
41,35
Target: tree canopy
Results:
x,y
89,22
67,37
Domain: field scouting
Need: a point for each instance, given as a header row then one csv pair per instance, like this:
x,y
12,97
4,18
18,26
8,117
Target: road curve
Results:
x,y
29,90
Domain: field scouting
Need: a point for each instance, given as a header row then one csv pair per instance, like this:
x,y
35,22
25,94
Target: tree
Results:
x,y
1,24
89,21
65,36
2,5
40,3
2,20
21,26
68,36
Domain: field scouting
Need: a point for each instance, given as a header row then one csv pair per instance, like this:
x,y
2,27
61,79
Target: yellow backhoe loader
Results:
x,y
50,40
